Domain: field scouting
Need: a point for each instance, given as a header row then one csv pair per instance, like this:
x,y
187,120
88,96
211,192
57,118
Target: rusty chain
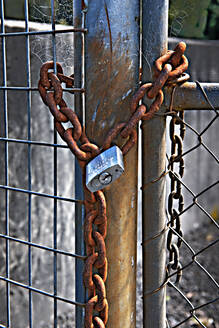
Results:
x,y
176,156
175,198
168,69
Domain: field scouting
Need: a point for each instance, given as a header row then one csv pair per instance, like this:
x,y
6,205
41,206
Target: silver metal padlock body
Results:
x,y
104,169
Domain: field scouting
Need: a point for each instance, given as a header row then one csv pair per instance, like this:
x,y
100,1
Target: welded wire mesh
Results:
x,y
41,206
194,300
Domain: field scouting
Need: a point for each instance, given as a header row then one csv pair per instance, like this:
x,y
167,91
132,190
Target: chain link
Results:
x,y
171,70
175,198
95,226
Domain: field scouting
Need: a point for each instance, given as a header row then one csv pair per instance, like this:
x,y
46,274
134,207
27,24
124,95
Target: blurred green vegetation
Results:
x,y
194,19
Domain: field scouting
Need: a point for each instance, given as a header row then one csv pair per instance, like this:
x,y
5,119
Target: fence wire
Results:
x,y
194,300
40,211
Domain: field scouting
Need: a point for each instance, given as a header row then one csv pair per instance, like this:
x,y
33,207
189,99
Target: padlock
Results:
x,y
104,169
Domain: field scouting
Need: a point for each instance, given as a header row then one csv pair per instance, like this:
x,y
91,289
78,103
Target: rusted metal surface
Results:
x,y
188,96
112,55
177,59
111,49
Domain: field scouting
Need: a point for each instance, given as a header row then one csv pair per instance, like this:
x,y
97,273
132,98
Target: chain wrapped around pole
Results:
x,y
168,69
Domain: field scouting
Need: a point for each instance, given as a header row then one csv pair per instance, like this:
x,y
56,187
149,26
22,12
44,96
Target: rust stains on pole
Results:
x,y
112,71
154,44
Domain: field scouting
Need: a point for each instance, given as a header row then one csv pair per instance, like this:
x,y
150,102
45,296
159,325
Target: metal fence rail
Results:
x,y
10,241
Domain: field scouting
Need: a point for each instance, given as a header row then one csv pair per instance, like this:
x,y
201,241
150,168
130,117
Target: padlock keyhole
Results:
x,y
105,178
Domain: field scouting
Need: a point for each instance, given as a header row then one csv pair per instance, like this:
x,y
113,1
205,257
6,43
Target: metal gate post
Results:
x,y
112,69
79,210
155,32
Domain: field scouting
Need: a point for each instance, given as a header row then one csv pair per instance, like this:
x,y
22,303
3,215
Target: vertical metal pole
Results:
x,y
28,69
55,286
79,209
112,70
7,225
154,44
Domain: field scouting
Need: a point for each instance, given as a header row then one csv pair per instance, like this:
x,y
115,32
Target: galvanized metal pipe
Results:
x,y
112,69
79,210
188,96
154,44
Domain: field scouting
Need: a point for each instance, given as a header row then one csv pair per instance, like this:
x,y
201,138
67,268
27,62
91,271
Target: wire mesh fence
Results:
x,y
40,206
192,300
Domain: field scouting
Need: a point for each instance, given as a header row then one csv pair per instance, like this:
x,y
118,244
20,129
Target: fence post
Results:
x,y
155,32
79,210
112,69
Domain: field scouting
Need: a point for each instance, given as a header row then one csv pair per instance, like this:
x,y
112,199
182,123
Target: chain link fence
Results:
x,y
192,292
192,207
